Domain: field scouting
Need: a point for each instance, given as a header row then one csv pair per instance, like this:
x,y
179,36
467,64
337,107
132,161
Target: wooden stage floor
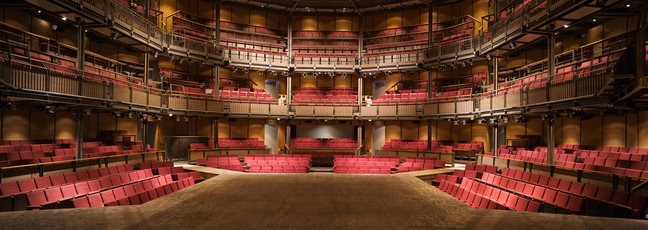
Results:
x,y
305,201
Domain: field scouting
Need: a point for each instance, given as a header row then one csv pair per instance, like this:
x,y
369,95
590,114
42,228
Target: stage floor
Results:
x,y
305,201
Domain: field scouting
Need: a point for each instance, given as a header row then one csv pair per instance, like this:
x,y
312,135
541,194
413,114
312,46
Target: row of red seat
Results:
x,y
17,189
110,195
239,143
61,196
323,143
431,164
478,195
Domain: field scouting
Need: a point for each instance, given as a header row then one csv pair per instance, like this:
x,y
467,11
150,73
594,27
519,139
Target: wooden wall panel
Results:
x,y
191,127
257,18
631,130
614,131
394,20
409,130
308,81
242,128
642,129
379,22
308,23
225,13
571,131
424,16
107,122
342,82
593,131
392,130
128,124
356,24
283,22
325,23
183,5
296,23
65,126
206,9
257,78
273,20
165,127
534,127
444,13
240,15
423,130
344,24
256,129
180,128
465,133
444,130
480,133
325,82
616,27
223,128
42,125
411,17
514,128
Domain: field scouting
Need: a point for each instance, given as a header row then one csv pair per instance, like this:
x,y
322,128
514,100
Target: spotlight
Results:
x,y
364,75
566,26
64,18
401,72
470,60
315,75
332,74
58,28
246,71
202,62
234,68
177,118
628,5
373,75
412,72
181,61
594,19
455,122
285,74
273,72
463,64
141,115
157,117
118,114
489,56
114,35
155,54
388,73
185,119
505,119
481,121
39,11
260,71
344,75
304,75
50,109
171,58
130,114
512,45
170,114
452,63
86,111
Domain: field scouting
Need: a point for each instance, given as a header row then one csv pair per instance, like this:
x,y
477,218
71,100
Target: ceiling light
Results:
x,y
39,11
170,114
566,26
628,5
64,18
594,19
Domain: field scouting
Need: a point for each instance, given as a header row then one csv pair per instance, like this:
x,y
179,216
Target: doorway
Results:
x,y
271,87
501,136
378,137
271,138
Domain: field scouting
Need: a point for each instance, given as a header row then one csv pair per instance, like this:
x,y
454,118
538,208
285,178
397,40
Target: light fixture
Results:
x,y
489,56
364,75
412,72
39,11
278,118
114,35
286,74
566,26
202,62
50,109
344,75
170,115
260,71
388,73
373,75
401,72
628,5
64,18
513,44
315,75
273,72
304,75
234,68
246,71
181,61
593,19
130,114
369,120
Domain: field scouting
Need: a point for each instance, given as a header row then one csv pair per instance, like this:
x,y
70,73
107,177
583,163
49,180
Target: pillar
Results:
x,y
360,87
550,141
551,49
495,132
360,40
359,136
80,64
288,89
216,92
287,134
144,133
216,132
429,138
79,135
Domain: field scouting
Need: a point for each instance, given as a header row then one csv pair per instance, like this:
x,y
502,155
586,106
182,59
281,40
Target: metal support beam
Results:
x,y
550,141
640,39
495,73
215,132
217,27
147,63
551,49
287,133
359,135
494,147
80,64
429,137
289,30
144,133
288,90
79,136
360,40
216,92
430,94
360,87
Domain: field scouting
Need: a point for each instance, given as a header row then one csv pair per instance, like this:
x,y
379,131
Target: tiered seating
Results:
x,y
19,152
267,163
565,196
402,97
240,143
245,94
154,165
413,164
457,95
483,196
229,162
322,158
332,96
347,143
100,151
365,164
52,190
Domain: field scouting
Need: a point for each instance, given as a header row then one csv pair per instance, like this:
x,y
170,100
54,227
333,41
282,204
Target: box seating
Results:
x,y
339,96
239,143
301,143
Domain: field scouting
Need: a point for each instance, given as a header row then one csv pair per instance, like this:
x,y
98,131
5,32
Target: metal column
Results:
x,y
287,133
215,132
147,64
144,133
429,138
640,38
288,90
360,87
550,141
552,52
495,132
289,42
360,40
359,135
79,135
495,73
216,82
80,64
217,28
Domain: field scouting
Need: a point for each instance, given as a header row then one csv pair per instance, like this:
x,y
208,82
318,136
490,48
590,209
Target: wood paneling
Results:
x,y
256,129
225,13
257,18
379,22
631,130
344,24
206,9
409,130
571,131
15,124
240,15
394,20
128,124
42,125
514,128
392,130
592,131
308,23
273,20
444,130
614,131
326,23
411,17
424,16
65,126
242,128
